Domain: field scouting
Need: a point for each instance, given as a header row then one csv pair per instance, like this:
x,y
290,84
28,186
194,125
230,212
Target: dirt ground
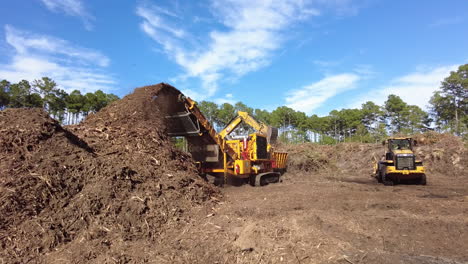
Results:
x,y
310,218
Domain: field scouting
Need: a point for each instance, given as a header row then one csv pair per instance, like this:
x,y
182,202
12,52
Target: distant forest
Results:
x,y
67,108
371,123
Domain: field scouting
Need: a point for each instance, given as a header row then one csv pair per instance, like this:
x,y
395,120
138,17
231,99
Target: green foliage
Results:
x,y
47,89
449,106
34,100
4,93
57,104
210,110
225,114
111,98
75,103
366,125
327,140
239,106
90,103
371,114
19,93
262,116
396,112
418,120
101,100
370,123
96,101
294,136
380,132
46,94
283,117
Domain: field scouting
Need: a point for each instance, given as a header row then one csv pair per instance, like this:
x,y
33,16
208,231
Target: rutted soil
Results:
x,y
314,219
338,213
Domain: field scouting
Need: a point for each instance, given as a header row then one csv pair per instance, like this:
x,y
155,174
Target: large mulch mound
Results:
x,y
100,192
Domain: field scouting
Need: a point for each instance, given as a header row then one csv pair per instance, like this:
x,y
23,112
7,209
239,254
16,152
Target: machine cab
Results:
x,y
400,151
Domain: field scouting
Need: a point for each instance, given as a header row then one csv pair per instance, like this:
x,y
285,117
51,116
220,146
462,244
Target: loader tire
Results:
x,y
386,181
379,177
380,172
252,180
422,180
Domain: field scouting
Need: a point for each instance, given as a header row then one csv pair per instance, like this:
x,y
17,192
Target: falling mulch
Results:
x,y
102,191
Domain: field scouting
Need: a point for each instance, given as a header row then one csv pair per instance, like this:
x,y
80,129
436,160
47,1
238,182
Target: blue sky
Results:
x,y
311,55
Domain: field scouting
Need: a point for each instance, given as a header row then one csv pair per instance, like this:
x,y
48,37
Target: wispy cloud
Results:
x,y
312,96
222,100
414,88
327,63
26,42
447,21
253,31
343,7
72,8
72,67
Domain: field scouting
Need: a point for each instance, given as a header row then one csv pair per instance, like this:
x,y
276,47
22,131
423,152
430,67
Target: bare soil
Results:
x,y
321,218
335,212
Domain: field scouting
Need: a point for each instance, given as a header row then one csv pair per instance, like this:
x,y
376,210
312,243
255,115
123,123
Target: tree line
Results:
x,y
448,112
45,93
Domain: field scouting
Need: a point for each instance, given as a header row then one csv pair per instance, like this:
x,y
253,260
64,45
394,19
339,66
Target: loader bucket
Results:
x,y
272,135
179,121
183,124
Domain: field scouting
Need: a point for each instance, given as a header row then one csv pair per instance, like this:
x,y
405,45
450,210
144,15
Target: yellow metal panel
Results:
x,y
392,169
253,148
244,166
215,170
236,145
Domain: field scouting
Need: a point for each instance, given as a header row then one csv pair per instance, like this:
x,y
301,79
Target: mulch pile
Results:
x,y
441,153
102,191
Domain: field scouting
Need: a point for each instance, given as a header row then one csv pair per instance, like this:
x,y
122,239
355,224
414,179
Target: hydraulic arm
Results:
x,y
262,129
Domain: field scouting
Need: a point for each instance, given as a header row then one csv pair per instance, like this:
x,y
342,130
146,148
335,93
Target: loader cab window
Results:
x,y
400,144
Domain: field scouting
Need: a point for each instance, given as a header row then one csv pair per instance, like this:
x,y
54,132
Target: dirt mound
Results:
x,y
344,157
441,153
102,191
309,157
35,151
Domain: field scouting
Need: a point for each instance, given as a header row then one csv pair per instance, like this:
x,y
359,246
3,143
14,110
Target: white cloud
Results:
x,y
71,8
35,56
154,24
344,7
447,21
415,88
316,94
327,63
228,98
253,31
26,42
221,101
